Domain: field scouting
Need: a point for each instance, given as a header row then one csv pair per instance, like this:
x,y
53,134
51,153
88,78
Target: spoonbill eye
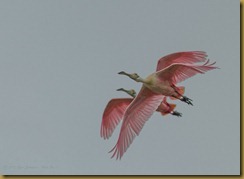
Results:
x,y
136,75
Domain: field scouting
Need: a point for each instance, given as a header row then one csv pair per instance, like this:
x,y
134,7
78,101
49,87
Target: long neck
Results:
x,y
141,80
132,95
129,93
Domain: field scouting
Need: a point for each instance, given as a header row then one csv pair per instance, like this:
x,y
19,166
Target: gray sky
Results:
x,y
58,69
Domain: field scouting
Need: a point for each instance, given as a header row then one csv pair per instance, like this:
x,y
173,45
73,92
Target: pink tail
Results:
x,y
180,90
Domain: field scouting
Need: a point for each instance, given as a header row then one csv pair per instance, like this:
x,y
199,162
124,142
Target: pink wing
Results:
x,y
181,57
176,73
138,112
112,115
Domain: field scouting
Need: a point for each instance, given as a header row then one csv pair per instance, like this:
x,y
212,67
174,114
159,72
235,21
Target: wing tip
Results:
x,y
105,133
116,152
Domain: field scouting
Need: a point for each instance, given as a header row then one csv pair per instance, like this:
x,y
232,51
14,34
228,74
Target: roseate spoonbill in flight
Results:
x,y
116,107
157,85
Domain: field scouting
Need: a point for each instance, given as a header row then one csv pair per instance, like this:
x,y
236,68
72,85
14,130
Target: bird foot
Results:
x,y
176,113
186,100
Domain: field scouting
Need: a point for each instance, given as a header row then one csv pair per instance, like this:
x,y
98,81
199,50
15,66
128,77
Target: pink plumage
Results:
x,y
115,109
161,83
112,115
171,69
138,112
181,57
178,72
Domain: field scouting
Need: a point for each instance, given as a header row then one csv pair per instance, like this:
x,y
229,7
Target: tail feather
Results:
x,y
164,113
181,90
172,106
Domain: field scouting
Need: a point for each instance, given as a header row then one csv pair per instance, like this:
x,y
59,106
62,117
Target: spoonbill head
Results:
x,y
133,76
131,92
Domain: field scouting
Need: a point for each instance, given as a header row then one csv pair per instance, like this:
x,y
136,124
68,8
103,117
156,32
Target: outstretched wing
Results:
x,y
112,115
181,57
137,113
178,72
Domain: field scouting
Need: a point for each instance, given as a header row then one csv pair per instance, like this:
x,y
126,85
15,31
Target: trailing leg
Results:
x,y
186,100
176,113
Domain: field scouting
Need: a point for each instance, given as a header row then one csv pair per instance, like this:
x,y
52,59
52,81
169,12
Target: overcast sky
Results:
x,y
58,69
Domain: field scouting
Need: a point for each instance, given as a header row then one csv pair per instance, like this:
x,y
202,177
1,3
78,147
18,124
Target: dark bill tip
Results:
x,y
120,89
121,73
